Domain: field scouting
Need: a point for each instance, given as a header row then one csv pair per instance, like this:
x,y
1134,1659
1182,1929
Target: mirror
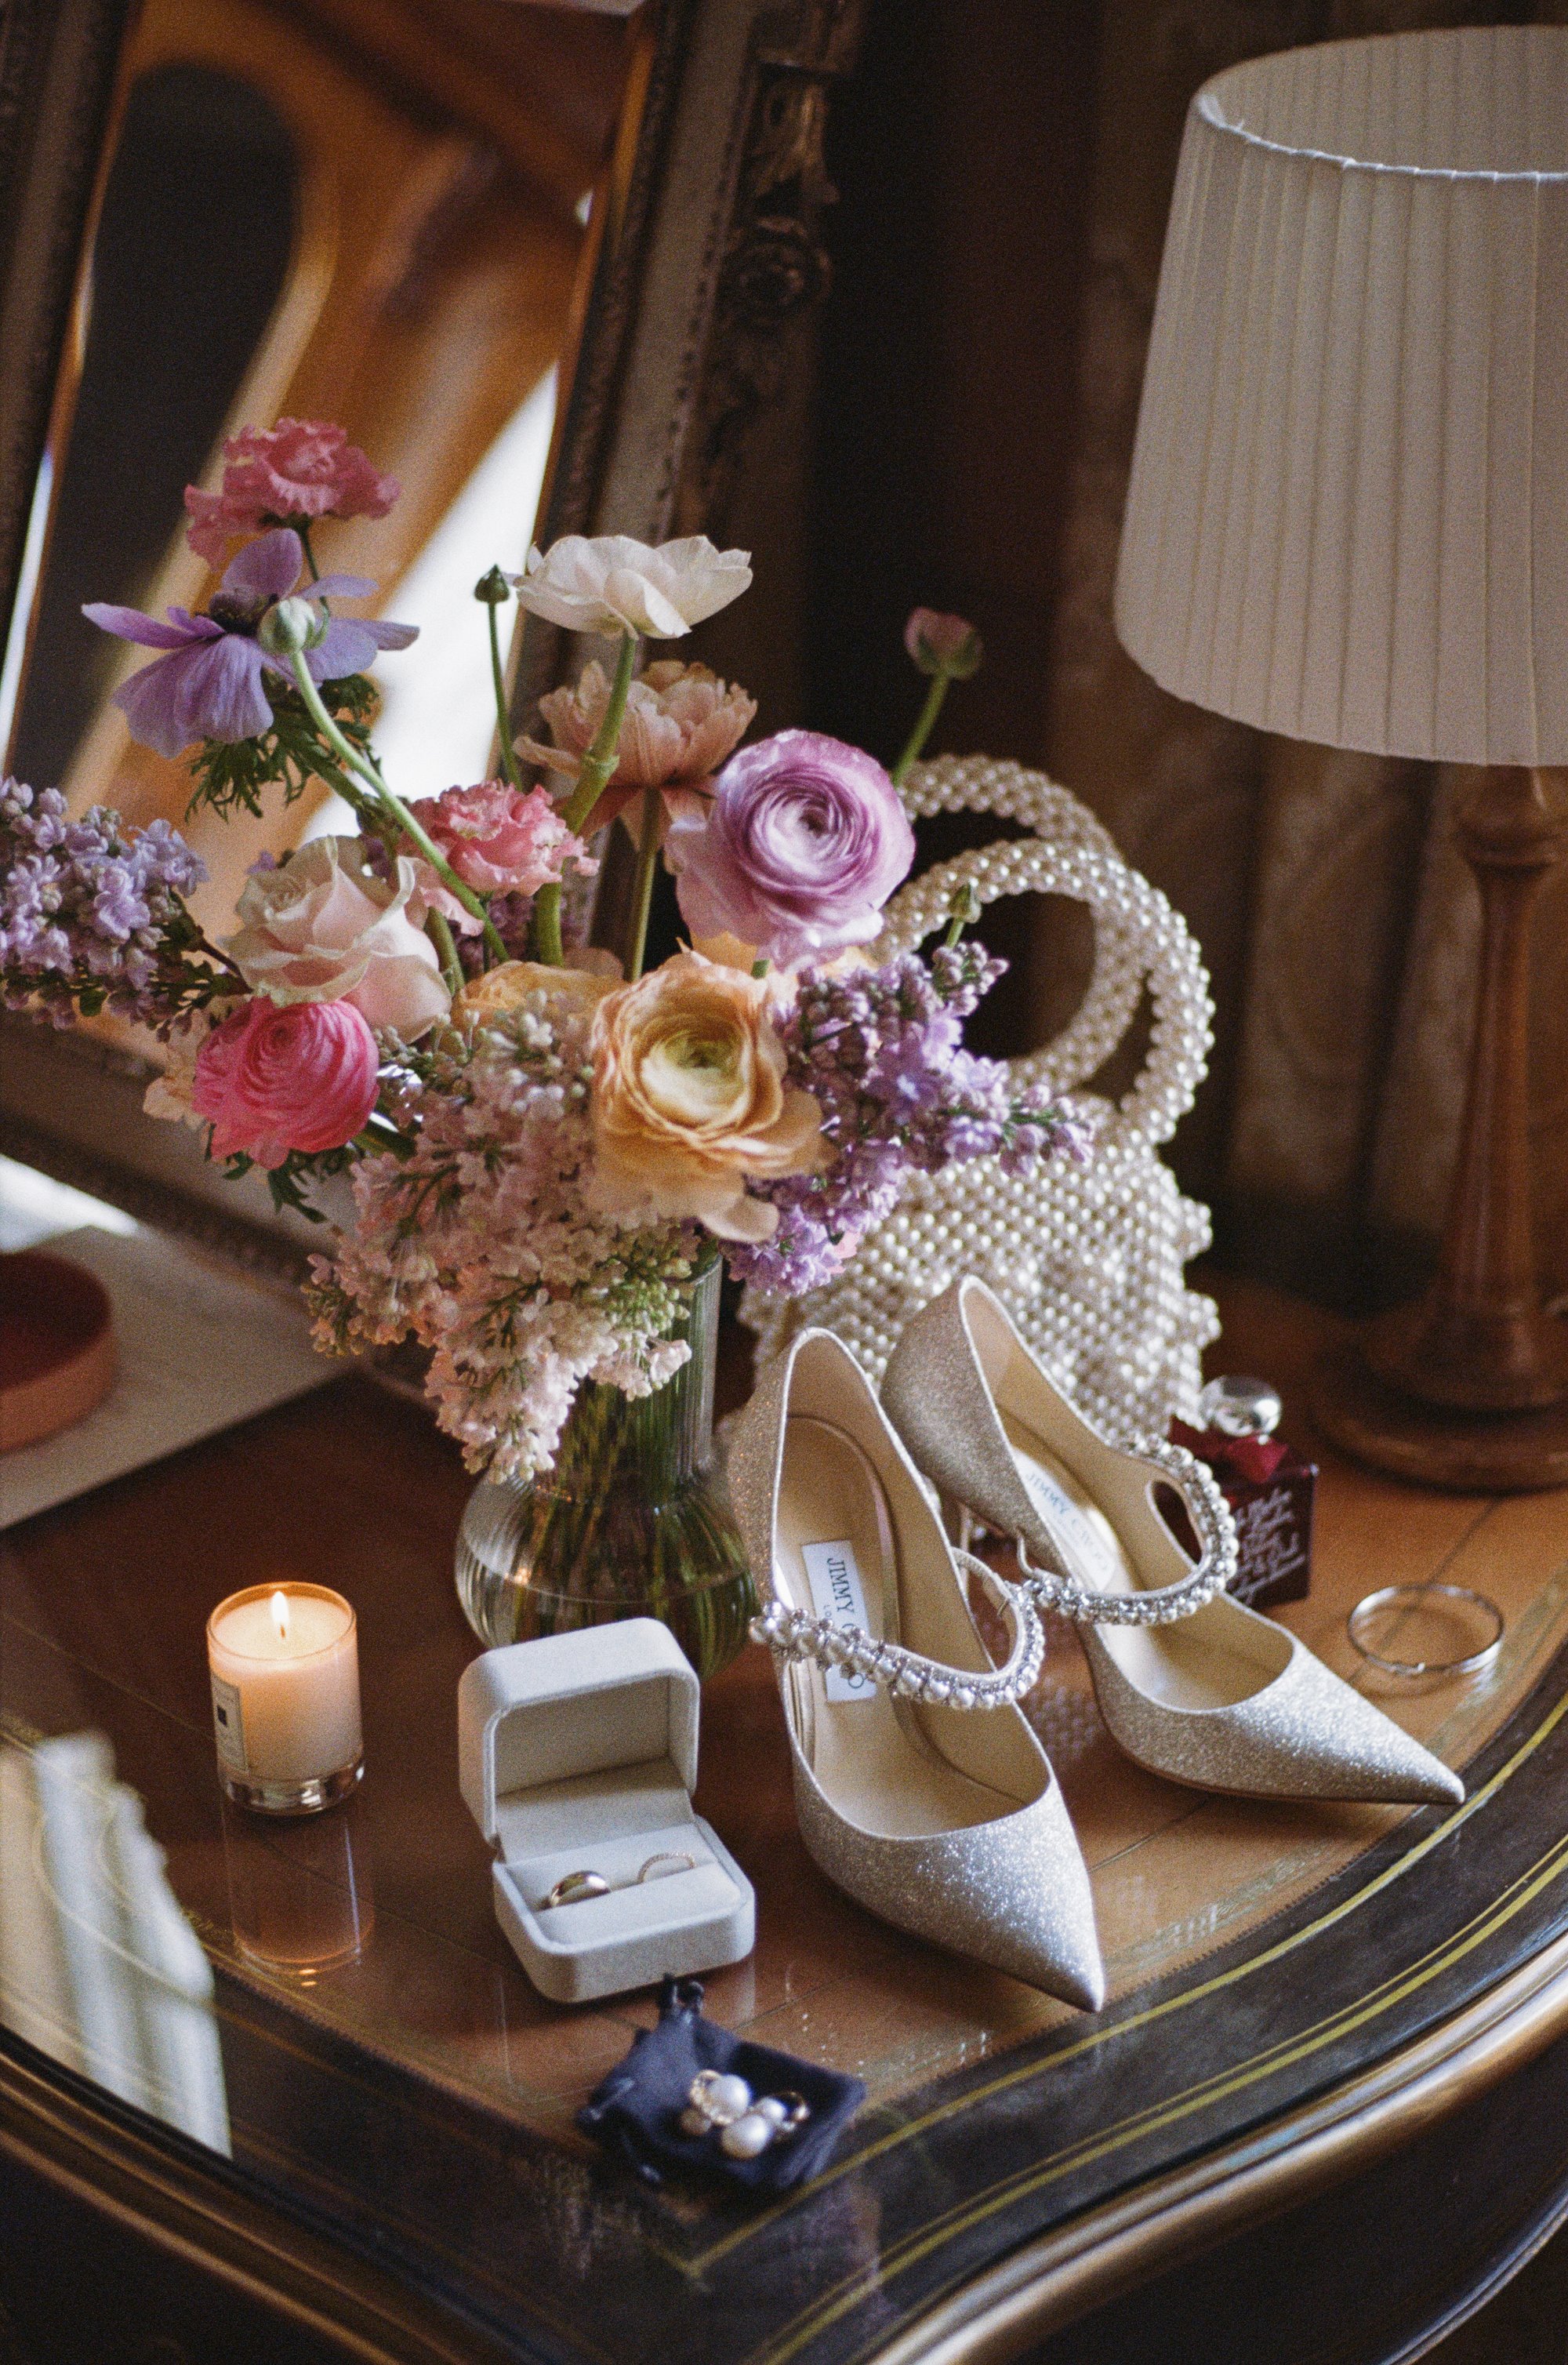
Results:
x,y
547,264
291,228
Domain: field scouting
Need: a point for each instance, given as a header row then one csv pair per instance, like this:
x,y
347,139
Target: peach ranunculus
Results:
x,y
509,986
681,722
690,1102
323,927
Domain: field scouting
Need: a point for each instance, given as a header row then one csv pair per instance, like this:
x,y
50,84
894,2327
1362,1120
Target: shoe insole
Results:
x,y
837,1558
1210,1660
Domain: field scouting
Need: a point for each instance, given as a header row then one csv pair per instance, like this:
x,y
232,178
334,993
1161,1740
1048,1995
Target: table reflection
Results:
x,y
98,1966
300,1899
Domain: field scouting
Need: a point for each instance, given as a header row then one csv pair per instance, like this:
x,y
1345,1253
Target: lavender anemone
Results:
x,y
209,685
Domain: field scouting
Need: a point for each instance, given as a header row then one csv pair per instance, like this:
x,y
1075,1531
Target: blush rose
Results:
x,y
323,927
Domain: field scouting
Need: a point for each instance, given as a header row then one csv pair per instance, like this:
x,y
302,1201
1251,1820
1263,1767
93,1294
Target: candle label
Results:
x,y
228,1723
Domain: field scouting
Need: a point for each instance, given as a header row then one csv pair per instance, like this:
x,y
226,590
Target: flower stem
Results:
x,y
599,762
303,531
438,929
917,738
509,764
594,771
642,889
392,807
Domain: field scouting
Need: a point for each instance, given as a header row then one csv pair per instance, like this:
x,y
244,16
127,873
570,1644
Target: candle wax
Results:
x,y
286,1702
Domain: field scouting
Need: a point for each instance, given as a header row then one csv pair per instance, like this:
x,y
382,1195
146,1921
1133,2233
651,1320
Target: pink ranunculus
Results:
x,y
272,1079
944,644
500,840
803,844
288,475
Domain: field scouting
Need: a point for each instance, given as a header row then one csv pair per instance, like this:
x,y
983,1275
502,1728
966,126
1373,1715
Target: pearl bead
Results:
x,y
728,2098
771,2109
1088,1260
746,2137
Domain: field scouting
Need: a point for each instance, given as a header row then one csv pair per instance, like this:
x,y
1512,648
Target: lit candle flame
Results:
x,y
280,1614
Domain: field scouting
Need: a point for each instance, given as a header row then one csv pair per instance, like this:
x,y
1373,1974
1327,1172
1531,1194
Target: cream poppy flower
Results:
x,y
609,584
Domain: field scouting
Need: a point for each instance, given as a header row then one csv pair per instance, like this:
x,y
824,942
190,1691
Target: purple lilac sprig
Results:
x,y
882,1050
93,914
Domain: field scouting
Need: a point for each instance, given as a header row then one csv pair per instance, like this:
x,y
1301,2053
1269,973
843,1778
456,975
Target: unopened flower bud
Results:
x,y
293,625
493,588
943,644
965,905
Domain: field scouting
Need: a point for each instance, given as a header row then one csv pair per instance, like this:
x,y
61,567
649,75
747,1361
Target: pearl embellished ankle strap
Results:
x,y
1214,1525
796,1634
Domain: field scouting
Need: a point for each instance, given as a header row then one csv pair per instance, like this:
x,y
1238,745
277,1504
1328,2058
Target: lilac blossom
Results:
x,y
209,685
91,907
880,1050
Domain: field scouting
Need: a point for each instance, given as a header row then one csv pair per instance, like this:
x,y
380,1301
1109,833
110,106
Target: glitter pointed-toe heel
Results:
x,y
919,1787
1191,1684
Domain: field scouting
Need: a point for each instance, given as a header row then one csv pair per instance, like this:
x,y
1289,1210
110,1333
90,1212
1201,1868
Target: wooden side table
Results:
x,y
1301,1996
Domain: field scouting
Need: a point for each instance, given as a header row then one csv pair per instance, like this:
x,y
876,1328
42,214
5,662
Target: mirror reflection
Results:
x,y
380,223
99,1967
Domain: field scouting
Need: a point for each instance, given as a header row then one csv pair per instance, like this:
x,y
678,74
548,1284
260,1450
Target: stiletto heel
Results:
x,y
1192,1685
919,1786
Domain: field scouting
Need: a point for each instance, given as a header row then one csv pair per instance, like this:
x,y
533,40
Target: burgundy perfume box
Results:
x,y
1268,1488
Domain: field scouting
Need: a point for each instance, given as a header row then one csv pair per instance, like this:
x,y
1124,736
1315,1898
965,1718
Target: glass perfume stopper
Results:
x,y
1238,1406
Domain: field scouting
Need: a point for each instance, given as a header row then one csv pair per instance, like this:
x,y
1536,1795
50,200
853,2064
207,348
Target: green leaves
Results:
x,y
230,775
288,1182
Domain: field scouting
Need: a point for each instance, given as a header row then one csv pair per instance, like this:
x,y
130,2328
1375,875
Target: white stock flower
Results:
x,y
611,584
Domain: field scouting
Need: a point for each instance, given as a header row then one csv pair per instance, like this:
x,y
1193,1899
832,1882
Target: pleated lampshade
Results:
x,y
1347,517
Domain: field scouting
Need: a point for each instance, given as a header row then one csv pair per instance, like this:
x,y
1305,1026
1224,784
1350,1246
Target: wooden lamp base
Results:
x,y
1468,1387
1485,1453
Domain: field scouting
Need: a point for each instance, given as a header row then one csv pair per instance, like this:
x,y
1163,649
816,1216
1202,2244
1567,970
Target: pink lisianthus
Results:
x,y
274,1080
680,723
803,844
500,840
288,475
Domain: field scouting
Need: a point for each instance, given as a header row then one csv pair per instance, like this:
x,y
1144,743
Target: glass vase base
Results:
x,y
283,1797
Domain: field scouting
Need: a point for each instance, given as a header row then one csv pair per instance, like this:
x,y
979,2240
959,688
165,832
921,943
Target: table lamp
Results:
x,y
1347,521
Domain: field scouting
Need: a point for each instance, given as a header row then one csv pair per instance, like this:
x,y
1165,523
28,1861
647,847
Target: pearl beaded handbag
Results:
x,y
1087,1259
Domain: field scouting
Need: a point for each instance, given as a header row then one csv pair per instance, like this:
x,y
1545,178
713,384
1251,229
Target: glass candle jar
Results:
x,y
285,1666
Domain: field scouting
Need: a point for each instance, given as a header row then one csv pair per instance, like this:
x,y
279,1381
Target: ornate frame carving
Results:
x,y
708,258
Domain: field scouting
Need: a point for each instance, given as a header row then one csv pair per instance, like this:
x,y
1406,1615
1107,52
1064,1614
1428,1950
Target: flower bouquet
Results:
x,y
552,1151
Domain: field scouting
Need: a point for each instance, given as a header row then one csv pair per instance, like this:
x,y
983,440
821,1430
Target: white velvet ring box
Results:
x,y
577,1753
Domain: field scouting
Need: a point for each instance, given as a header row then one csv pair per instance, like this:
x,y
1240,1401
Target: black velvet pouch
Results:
x,y
636,2112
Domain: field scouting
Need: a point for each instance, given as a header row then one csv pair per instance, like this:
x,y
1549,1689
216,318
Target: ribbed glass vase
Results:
x,y
630,1523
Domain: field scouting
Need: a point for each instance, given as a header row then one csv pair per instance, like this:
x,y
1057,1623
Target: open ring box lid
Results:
x,y
577,1753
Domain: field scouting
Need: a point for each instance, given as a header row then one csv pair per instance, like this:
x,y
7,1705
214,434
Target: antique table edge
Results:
x,y
995,2317
156,2188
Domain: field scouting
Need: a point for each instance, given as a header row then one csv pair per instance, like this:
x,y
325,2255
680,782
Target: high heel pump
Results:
x,y
1191,1684
919,1787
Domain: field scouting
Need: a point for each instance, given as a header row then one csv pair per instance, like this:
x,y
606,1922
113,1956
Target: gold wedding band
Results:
x,y
574,1887
577,1888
